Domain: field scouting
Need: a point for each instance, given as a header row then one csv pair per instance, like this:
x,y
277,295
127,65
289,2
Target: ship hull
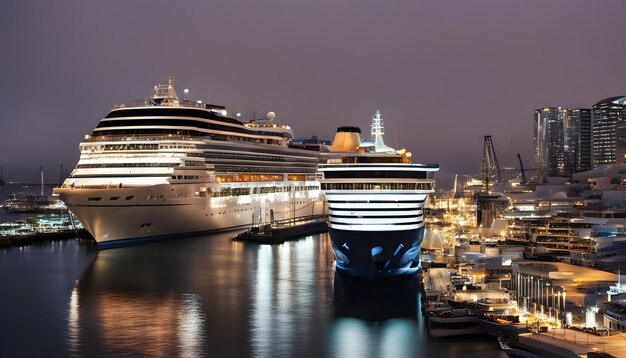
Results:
x,y
377,254
166,211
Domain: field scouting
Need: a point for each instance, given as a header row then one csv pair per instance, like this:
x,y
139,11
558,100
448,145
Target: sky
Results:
x,y
442,73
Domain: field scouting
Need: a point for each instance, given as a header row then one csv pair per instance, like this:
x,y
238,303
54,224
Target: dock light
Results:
x,y
199,102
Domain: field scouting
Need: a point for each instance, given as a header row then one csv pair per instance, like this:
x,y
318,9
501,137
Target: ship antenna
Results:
x,y
61,178
396,139
377,134
377,130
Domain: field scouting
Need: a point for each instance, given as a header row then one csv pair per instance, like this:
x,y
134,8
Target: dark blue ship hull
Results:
x,y
377,254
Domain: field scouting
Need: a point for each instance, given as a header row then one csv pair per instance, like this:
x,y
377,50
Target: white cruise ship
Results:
x,y
163,167
376,200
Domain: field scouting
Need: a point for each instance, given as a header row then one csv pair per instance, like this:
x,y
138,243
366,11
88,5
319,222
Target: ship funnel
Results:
x,y
347,139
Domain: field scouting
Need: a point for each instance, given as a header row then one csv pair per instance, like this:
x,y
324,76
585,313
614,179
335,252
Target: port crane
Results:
x,y
489,164
521,165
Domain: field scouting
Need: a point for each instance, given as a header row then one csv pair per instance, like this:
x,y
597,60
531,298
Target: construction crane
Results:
x,y
521,165
489,164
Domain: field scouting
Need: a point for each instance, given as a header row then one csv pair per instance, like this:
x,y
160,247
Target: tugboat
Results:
x,y
376,199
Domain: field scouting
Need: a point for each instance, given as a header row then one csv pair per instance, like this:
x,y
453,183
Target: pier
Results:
x,y
280,231
33,238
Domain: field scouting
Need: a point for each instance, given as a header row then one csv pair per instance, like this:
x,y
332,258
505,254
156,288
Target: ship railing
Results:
x,y
140,138
354,166
150,102
295,221
100,186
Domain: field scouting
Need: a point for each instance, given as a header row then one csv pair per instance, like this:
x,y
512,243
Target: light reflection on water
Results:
x,y
210,296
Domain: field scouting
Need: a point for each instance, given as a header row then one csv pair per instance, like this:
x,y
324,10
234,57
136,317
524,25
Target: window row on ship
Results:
x,y
154,151
218,168
261,169
128,165
224,192
377,186
123,133
242,165
255,157
219,147
267,153
199,124
209,158
256,177
262,163
120,147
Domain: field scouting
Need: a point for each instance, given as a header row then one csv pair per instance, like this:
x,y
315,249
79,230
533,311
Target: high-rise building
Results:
x,y
608,141
577,140
549,141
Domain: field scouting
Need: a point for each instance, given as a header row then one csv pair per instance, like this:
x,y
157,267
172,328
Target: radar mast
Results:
x,y
377,134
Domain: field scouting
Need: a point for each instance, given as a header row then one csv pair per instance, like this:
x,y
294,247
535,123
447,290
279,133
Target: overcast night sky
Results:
x,y
443,73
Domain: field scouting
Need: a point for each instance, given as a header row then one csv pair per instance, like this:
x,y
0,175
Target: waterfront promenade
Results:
x,y
569,342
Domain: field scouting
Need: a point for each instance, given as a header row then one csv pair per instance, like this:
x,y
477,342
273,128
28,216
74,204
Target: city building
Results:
x,y
549,141
577,140
488,208
615,316
609,131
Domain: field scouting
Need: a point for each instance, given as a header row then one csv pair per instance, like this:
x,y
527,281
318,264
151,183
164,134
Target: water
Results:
x,y
208,296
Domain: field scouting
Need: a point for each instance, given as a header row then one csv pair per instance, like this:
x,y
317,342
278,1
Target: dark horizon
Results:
x,y
443,74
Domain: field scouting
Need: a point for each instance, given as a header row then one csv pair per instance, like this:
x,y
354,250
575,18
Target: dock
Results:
x,y
28,239
283,230
564,342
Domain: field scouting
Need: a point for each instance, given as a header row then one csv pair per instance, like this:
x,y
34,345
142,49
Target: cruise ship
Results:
x,y
164,166
376,204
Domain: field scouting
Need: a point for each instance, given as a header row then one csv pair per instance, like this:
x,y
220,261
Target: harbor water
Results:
x,y
209,296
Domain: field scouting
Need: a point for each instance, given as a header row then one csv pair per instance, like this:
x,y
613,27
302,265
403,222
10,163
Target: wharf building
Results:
x,y
614,310
609,131
615,316
550,236
549,290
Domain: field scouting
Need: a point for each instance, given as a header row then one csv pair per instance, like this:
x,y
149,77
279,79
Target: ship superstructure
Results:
x,y
376,200
163,166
